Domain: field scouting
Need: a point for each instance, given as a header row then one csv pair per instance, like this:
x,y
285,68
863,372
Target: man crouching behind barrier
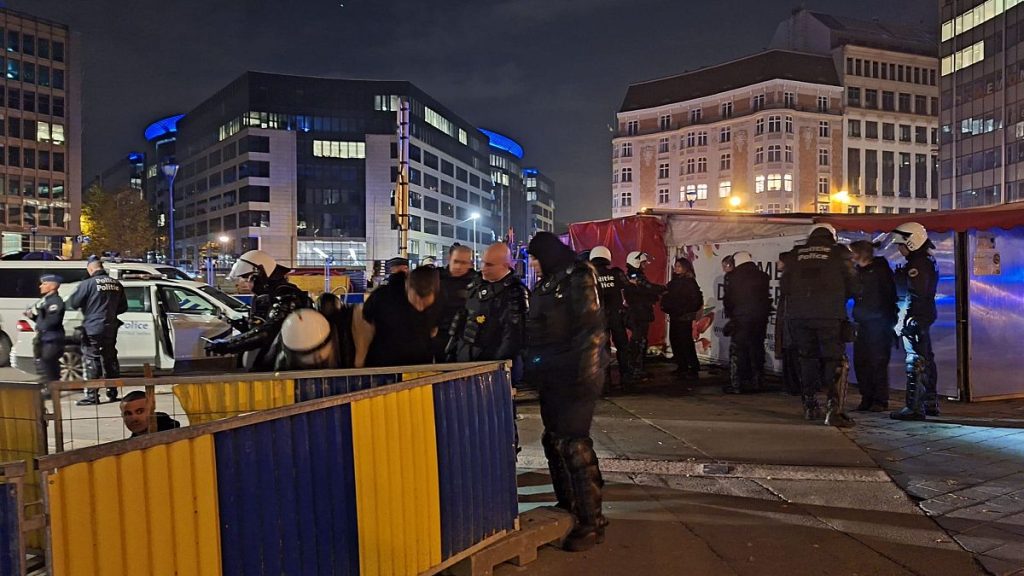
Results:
x,y
566,358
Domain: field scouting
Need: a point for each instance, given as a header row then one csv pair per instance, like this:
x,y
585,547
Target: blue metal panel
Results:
x,y
476,459
313,388
287,496
10,532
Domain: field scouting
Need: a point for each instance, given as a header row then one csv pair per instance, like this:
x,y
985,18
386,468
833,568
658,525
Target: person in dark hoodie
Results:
x,y
455,281
404,315
565,335
875,312
274,299
748,304
682,302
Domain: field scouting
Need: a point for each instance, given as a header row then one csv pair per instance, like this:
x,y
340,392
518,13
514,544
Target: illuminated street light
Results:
x,y
843,197
474,217
735,201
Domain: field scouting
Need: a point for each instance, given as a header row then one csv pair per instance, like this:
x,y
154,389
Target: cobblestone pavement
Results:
x,y
970,479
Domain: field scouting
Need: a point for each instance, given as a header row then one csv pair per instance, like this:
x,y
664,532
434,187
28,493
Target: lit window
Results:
x,y
702,191
758,184
787,182
774,182
724,189
338,149
684,191
958,61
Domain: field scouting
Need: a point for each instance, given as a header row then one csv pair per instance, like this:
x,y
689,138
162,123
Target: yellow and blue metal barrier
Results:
x,y
12,543
399,479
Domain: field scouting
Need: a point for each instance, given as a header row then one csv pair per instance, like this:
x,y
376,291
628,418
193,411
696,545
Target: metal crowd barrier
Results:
x,y
408,478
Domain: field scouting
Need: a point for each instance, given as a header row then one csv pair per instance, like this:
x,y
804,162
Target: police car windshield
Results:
x,y
224,299
173,273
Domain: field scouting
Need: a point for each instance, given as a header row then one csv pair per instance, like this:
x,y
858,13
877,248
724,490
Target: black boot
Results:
x,y
812,411
112,394
914,410
92,398
561,481
586,485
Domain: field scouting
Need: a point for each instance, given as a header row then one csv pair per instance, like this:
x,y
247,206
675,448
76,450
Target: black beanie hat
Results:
x,y
550,252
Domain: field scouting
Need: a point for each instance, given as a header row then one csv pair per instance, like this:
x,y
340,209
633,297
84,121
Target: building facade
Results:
x,y
506,160
40,135
982,107
128,173
762,134
540,199
889,74
305,169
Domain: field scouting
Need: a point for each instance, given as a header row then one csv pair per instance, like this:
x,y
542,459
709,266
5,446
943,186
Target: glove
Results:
x,y
218,347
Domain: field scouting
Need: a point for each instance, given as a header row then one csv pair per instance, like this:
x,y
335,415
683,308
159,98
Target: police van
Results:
x,y
19,287
164,327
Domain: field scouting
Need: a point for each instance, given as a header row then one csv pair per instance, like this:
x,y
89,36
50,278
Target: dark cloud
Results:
x,y
549,73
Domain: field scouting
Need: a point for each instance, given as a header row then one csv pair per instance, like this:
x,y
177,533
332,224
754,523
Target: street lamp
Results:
x,y
735,201
170,171
474,217
691,197
33,230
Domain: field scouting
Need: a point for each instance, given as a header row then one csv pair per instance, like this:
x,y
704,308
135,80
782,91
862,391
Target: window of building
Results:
x,y
789,124
663,171
759,126
689,190
758,184
905,133
626,198
853,96
759,155
726,110
888,131
775,123
725,189
787,182
725,134
691,165
665,122
921,134
695,115
789,153
853,128
702,191
823,104
58,51
627,149
627,175
338,149
775,153
725,161
57,79
757,102
822,156
662,195
888,101
702,138
789,99
663,146
13,69
823,129
823,208
871,130
871,99
774,182
702,165
904,103
691,139
633,127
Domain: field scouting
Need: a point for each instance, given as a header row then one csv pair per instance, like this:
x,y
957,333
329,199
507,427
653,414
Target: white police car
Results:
x,y
164,327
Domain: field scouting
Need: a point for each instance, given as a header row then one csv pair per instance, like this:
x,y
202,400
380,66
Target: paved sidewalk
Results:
x,y
702,483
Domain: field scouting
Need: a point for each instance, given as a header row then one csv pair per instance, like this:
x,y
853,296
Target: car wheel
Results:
x,y
71,367
5,350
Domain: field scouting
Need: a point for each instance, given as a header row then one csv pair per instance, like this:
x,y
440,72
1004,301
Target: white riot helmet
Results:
x,y
600,252
253,262
741,258
830,228
428,261
911,234
636,258
304,330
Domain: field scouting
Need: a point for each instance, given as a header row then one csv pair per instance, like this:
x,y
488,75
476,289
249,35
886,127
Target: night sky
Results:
x,y
548,73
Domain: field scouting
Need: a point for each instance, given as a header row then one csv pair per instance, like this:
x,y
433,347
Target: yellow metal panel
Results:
x,y
397,494
152,511
407,376
20,440
211,401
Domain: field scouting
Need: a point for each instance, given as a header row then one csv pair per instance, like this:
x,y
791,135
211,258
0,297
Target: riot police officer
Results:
x,y
612,283
308,342
818,281
641,295
918,281
274,298
492,325
566,356
48,314
101,299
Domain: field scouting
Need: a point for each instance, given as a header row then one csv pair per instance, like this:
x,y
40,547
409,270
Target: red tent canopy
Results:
x,y
1002,216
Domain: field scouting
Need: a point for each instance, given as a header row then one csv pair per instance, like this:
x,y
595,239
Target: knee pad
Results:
x,y
579,453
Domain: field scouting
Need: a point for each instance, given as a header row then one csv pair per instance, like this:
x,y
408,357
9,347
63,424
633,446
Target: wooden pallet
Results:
x,y
538,527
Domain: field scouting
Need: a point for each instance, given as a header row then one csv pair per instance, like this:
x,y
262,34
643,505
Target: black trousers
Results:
x,y
791,369
680,335
871,354
100,353
922,374
48,356
820,345
638,342
566,404
746,352
618,337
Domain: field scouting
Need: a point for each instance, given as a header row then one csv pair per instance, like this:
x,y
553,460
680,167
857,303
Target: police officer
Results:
x,y
918,280
875,312
612,283
785,348
455,281
48,314
641,295
274,298
101,299
818,282
565,336
748,305
492,325
308,342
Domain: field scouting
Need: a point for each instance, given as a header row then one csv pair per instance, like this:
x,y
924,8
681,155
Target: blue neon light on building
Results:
x,y
504,143
163,127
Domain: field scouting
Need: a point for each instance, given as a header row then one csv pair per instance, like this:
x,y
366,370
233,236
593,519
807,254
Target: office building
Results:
x,y
506,157
40,135
128,173
889,75
763,133
540,200
305,169
982,111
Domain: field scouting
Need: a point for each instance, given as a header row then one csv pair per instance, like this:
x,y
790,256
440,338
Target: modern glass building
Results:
x,y
40,147
540,198
305,169
506,159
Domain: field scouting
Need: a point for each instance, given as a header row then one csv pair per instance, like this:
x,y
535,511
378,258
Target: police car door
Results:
x,y
188,317
137,336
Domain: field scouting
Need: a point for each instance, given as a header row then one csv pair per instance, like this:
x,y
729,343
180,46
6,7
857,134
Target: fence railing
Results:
x,y
407,478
